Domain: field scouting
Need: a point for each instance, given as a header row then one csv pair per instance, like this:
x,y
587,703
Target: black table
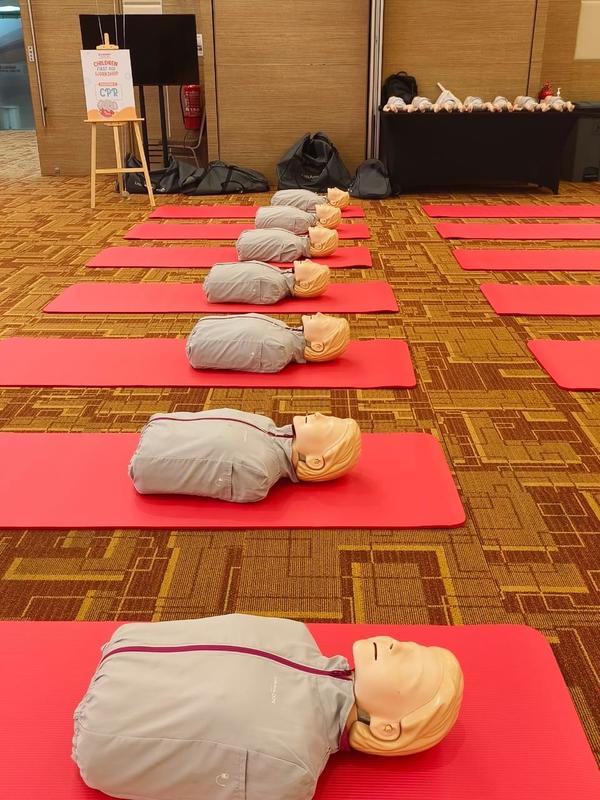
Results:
x,y
482,148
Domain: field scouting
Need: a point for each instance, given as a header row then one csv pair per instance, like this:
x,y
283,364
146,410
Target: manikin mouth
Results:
x,y
375,646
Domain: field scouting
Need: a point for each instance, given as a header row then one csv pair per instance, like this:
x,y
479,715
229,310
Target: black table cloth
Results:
x,y
481,148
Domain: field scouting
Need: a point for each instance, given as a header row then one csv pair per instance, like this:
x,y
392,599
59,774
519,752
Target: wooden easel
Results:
x,y
119,170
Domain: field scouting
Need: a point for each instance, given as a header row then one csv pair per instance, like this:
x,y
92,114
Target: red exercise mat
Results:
x,y
80,480
197,257
35,361
559,260
157,231
228,212
176,298
533,231
512,211
517,736
574,365
557,300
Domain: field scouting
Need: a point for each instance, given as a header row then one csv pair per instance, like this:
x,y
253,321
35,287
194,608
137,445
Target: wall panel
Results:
x,y
472,48
579,80
284,68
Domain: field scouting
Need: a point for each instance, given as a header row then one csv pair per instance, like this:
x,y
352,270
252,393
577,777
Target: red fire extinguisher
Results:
x,y
191,106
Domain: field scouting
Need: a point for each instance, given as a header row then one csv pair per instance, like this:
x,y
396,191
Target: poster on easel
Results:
x,y
108,85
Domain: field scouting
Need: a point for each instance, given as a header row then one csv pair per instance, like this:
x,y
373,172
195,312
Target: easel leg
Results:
x,y
93,168
140,144
119,162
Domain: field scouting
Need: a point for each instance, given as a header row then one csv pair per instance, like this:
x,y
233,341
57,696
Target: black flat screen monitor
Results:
x,y
163,46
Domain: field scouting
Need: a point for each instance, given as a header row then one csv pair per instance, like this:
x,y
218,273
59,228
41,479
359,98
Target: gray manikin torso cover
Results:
x,y
271,244
286,217
223,453
299,198
248,342
257,721
248,282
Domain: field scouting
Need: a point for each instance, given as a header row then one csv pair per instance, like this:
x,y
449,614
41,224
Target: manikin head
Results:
x,y
338,197
310,279
328,216
326,337
323,241
324,448
407,696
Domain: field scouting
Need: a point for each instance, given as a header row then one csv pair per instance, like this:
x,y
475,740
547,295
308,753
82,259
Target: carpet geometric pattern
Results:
x,y
525,454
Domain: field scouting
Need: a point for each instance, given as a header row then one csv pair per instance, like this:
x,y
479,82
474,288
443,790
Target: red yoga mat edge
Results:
x,y
114,362
511,211
573,364
175,298
229,212
561,259
410,466
164,232
543,299
203,257
514,231
48,666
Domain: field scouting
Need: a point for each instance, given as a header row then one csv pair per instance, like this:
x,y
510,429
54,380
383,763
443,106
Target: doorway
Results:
x,y
16,111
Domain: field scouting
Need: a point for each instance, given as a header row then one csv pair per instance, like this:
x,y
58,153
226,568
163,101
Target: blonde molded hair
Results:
x,y
314,287
333,346
327,246
328,216
338,460
338,197
424,727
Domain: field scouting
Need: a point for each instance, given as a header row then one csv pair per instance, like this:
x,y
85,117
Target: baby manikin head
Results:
x,y
407,696
328,216
324,448
323,241
326,337
338,197
310,279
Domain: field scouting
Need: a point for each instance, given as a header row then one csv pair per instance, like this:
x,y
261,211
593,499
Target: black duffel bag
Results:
x,y
371,181
167,180
312,163
222,178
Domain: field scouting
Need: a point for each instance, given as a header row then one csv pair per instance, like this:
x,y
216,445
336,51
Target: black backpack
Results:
x,y
399,85
371,181
313,162
222,178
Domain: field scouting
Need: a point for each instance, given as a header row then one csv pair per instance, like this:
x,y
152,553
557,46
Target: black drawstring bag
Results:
x,y
313,162
371,181
400,84
222,178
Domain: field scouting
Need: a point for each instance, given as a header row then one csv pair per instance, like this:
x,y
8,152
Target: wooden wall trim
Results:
x,y
538,40
210,78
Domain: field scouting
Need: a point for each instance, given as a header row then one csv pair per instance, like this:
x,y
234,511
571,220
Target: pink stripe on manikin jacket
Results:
x,y
341,674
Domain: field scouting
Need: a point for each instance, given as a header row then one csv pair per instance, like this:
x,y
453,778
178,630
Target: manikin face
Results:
x,y
338,197
329,216
308,270
316,434
318,327
393,679
323,241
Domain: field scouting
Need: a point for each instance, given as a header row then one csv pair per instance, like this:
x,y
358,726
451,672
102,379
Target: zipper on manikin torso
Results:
x,y
226,419
341,674
263,317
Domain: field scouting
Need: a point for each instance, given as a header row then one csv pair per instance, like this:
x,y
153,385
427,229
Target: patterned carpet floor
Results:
x,y
524,453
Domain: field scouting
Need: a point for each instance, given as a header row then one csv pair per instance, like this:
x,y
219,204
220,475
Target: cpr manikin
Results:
x,y
308,201
421,104
257,343
275,244
395,104
238,706
263,284
501,103
525,103
237,456
295,219
554,102
473,103
447,101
